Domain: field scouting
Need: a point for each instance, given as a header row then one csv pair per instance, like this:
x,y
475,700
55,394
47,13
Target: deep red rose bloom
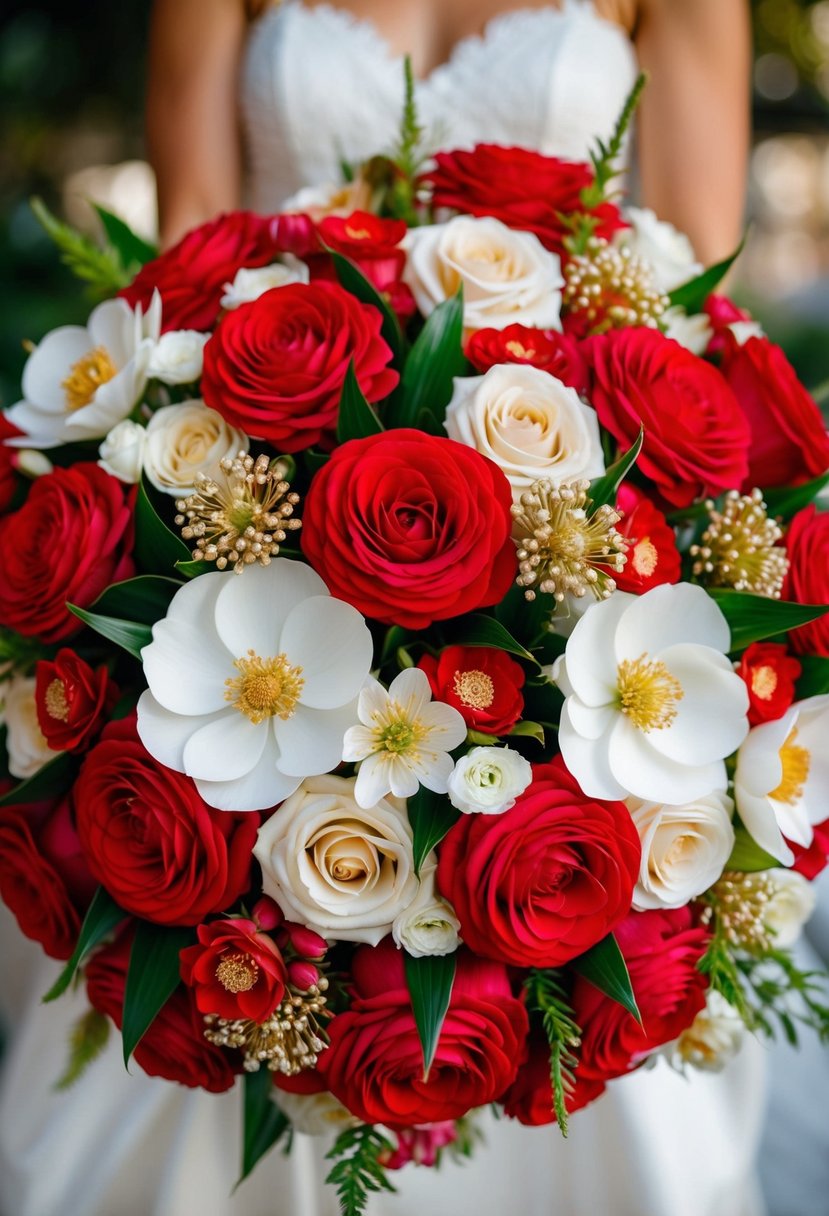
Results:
x,y
370,242
789,443
275,367
547,879
72,700
519,187
811,860
44,878
159,849
67,542
662,950
374,1064
770,673
652,557
542,348
530,1097
696,435
192,275
8,476
235,971
410,528
174,1046
807,580
482,683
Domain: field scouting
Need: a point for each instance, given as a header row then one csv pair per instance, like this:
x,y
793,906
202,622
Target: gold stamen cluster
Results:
x,y
648,693
739,547
474,688
612,287
739,903
86,376
57,706
289,1042
563,548
237,972
267,688
242,517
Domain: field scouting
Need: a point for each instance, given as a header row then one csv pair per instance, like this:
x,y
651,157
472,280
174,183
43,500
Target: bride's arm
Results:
x,y
695,117
191,114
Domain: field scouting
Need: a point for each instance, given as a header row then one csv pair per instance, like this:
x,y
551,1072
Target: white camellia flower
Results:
x,y
429,925
653,706
27,748
487,780
250,284
781,784
684,848
791,903
319,1114
527,422
711,1041
178,357
186,439
404,740
343,870
668,252
508,277
81,380
122,452
253,682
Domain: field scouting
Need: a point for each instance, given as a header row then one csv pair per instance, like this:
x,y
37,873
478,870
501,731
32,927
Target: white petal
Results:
x,y
590,653
186,674
643,771
358,742
412,689
373,779
446,726
331,642
226,748
311,742
40,429
760,820
587,759
49,365
263,787
711,717
587,721
373,702
165,734
113,325
435,773
252,608
668,614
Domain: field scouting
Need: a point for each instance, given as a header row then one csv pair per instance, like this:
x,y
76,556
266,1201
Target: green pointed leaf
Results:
x,y
603,489
356,283
480,630
131,247
430,981
356,418
132,636
785,501
479,739
157,548
102,917
434,361
54,779
152,978
527,620
528,730
193,569
395,637
314,460
606,970
747,856
431,816
144,599
814,677
264,1122
752,618
692,295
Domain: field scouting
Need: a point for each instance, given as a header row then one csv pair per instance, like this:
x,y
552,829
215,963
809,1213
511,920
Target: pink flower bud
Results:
x,y
302,975
267,913
305,942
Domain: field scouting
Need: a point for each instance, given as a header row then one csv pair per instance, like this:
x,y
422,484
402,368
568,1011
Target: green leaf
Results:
x,y
479,739
430,981
692,295
434,361
157,548
785,501
528,730
101,269
102,917
314,460
747,856
132,636
87,1039
546,995
480,630
194,569
396,636
603,489
264,1122
814,678
356,418
527,620
358,1172
53,779
131,247
152,978
144,599
356,283
431,816
752,618
606,969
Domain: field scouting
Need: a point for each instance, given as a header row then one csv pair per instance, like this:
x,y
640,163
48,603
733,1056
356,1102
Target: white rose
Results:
x,y
527,422
669,253
28,750
251,284
344,871
178,357
713,1038
507,277
186,439
428,925
790,905
122,452
684,848
694,332
487,780
314,1114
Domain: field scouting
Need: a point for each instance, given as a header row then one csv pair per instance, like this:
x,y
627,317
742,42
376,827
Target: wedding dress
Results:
x,y
319,86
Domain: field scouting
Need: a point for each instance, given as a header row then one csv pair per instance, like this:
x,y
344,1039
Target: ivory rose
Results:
x,y
684,848
26,743
178,356
790,905
122,452
186,439
429,924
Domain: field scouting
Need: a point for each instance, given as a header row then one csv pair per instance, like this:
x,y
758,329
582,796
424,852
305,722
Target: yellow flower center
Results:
x,y
400,735
518,350
86,377
474,688
57,706
764,682
648,693
266,688
237,972
796,762
357,234
645,557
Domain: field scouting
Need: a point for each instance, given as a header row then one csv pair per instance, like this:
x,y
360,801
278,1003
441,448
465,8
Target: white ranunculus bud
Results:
x,y
487,780
790,906
251,284
28,750
711,1041
31,463
317,1114
684,848
178,357
122,452
428,925
186,439
693,332
668,252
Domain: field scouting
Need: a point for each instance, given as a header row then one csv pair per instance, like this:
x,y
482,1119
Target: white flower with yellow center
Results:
x,y
653,706
781,784
252,683
404,740
82,380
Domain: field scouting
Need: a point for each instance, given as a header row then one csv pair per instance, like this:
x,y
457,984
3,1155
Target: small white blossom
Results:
x,y
791,904
428,925
251,284
178,357
487,780
122,452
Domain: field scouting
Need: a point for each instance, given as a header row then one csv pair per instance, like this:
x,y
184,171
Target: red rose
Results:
x,y
235,971
374,1064
371,243
662,950
807,580
521,188
769,673
811,860
72,700
789,443
410,528
159,849
542,348
174,1046
275,367
696,436
530,1097
192,275
8,476
66,543
547,879
482,683
652,557
44,878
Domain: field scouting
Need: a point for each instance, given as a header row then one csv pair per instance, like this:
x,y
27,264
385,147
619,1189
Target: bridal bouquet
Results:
x,y
416,674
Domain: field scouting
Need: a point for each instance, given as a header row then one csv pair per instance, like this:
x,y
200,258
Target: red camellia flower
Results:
x,y
547,879
174,1046
78,523
374,1064
789,443
410,528
72,700
519,187
530,1097
696,435
542,348
235,971
662,950
275,367
652,557
482,683
191,276
812,860
807,580
159,849
369,241
769,672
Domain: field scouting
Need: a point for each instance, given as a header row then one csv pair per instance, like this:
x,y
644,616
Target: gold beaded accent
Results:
x,y
237,972
474,688
739,903
57,706
648,693
267,688
291,1039
739,547
612,288
86,376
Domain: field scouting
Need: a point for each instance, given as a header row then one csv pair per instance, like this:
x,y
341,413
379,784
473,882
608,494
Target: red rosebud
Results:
x,y
267,913
304,942
235,971
482,683
545,349
807,580
303,975
769,672
72,700
652,557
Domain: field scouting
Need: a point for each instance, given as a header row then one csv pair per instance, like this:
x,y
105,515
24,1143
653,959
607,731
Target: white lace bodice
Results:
x,y
319,86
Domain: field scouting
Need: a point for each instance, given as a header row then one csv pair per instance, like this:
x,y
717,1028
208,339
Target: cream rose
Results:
x,y
684,848
527,422
487,780
27,748
507,277
250,284
791,903
344,871
178,357
186,439
314,1114
668,252
122,452
428,925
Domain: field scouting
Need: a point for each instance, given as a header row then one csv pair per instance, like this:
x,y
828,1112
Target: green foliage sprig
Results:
x,y
546,995
102,269
87,1039
357,1172
407,156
